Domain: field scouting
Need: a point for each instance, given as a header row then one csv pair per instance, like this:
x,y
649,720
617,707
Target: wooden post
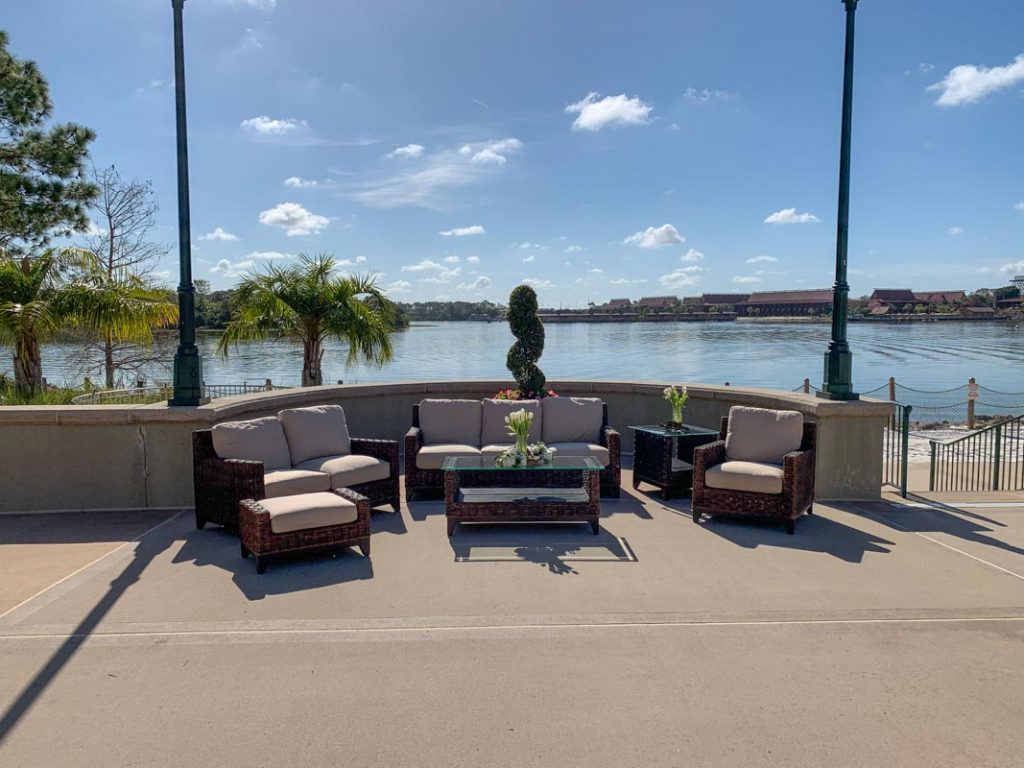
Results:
x,y
270,385
892,389
970,402
807,386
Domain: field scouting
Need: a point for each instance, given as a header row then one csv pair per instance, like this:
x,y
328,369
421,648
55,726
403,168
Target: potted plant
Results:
x,y
522,452
676,397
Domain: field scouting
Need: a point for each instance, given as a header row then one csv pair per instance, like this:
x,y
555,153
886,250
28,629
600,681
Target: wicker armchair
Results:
x,y
431,481
220,484
797,495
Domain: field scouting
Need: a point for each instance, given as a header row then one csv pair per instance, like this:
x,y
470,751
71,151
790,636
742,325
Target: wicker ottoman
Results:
x,y
310,521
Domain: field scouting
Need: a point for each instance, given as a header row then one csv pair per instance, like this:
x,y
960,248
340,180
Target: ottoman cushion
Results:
x,y
308,510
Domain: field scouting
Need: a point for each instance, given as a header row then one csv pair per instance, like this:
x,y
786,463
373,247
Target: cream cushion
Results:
x,y
346,471
572,419
450,421
493,429
761,435
319,430
750,476
598,452
253,440
432,456
493,449
287,482
308,510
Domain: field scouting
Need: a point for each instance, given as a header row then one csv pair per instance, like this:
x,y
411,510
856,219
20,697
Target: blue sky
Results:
x,y
459,147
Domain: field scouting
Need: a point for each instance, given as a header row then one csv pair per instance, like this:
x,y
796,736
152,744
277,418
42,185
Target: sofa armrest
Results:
x,y
798,478
707,456
385,450
611,439
413,443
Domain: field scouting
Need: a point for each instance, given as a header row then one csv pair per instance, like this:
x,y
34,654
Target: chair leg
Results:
x,y
245,552
200,522
696,516
595,527
396,505
810,509
364,546
791,527
451,527
261,564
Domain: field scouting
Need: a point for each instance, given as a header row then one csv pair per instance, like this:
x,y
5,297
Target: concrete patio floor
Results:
x,y
878,635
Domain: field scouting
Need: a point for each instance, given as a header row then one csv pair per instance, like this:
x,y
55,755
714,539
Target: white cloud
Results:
x,y
626,281
473,259
451,259
441,172
408,151
537,282
399,286
574,249
294,220
219,234
268,126
745,280
527,245
266,5
491,152
681,277
925,66
595,271
481,282
955,231
232,269
296,182
706,95
967,84
352,262
759,259
692,255
594,113
475,229
529,258
1019,206
790,216
422,266
1013,268
655,237
268,255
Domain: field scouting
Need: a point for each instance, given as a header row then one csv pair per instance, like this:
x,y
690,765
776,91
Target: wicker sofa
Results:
x,y
762,466
301,450
575,426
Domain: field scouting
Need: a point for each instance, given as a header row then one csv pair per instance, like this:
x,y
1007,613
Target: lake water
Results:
x,y
927,356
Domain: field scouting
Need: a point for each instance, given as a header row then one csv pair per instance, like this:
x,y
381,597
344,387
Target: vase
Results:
x,y
677,414
521,444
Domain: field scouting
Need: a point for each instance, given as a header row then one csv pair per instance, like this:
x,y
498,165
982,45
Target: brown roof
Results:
x,y
657,301
882,310
979,310
724,298
940,297
618,303
815,296
902,295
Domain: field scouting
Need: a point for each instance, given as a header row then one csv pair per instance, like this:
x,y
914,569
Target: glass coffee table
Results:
x,y
564,490
663,456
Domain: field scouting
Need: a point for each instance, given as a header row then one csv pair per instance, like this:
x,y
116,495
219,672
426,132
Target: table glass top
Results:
x,y
484,463
662,431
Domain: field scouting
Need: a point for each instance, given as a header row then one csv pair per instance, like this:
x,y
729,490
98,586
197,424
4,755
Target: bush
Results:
x,y
529,332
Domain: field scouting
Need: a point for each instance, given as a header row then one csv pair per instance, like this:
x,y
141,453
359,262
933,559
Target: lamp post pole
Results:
x,y
838,383
188,366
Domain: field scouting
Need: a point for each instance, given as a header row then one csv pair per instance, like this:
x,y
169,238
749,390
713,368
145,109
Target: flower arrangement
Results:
x,y
518,424
676,397
518,394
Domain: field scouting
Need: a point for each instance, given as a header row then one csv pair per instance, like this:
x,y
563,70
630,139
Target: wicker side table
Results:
x,y
664,457
261,542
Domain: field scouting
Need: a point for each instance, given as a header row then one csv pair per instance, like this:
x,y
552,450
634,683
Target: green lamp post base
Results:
x,y
838,376
188,379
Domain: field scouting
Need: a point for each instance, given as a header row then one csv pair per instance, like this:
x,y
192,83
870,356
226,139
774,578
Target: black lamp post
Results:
x,y
188,366
838,384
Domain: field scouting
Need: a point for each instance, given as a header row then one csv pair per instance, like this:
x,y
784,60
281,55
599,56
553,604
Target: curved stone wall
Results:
x,y
124,456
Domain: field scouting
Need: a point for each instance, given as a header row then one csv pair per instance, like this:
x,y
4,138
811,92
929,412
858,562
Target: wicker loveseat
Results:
x,y
762,467
574,426
301,450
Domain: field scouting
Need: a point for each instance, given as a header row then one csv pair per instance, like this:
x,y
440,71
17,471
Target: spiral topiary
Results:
x,y
529,332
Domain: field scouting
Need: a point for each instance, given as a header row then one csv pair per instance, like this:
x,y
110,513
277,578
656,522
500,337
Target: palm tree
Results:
x,y
63,289
307,302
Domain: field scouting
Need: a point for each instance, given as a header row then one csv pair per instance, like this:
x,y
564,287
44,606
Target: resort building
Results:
x,y
657,302
789,303
735,300
893,300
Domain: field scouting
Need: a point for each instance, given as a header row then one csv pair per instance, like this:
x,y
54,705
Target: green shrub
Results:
x,y
529,332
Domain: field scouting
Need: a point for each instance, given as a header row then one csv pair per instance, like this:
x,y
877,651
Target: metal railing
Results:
x,y
143,395
991,459
896,458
